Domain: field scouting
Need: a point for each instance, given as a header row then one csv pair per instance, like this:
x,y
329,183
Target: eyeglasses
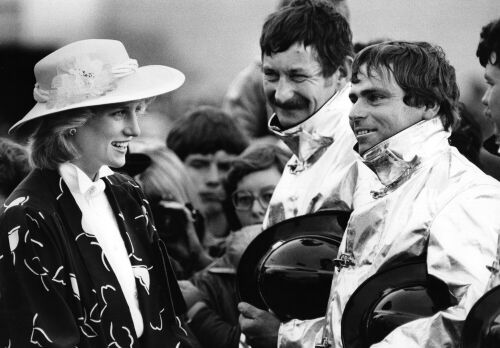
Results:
x,y
243,200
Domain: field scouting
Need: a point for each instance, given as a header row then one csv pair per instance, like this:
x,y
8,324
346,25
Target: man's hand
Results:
x,y
260,327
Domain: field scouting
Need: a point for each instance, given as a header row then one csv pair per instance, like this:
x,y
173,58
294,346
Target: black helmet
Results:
x,y
482,325
393,296
288,268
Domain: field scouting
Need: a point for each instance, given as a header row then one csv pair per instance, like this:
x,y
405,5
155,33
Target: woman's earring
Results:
x,y
72,131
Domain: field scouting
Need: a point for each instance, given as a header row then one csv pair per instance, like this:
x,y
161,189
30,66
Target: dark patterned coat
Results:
x,y
57,288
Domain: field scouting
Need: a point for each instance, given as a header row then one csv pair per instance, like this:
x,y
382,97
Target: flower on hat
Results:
x,y
80,78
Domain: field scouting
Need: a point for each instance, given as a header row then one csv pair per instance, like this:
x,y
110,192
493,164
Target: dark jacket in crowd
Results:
x,y
216,325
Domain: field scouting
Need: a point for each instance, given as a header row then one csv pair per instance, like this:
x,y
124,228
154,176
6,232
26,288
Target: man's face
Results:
x,y
294,84
207,173
379,112
491,98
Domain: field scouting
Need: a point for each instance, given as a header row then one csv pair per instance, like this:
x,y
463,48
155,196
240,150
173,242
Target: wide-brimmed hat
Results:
x,y
94,72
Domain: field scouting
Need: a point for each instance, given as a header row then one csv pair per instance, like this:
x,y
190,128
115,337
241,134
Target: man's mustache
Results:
x,y
297,102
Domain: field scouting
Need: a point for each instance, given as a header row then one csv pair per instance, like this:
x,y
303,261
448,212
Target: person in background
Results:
x,y
245,100
81,263
213,311
488,52
207,140
173,199
466,136
14,166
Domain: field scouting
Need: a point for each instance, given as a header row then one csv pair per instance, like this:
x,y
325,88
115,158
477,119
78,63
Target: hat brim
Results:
x,y
148,81
398,293
482,318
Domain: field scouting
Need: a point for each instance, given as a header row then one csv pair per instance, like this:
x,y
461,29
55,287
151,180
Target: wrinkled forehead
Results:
x,y
296,56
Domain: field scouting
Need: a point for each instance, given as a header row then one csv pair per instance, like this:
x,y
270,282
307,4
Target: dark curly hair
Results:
x,y
489,43
420,69
339,5
312,23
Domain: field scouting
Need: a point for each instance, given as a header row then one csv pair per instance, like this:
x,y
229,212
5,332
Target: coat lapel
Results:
x,y
100,292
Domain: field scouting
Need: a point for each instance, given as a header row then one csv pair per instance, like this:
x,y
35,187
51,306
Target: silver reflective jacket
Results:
x,y
319,174
432,200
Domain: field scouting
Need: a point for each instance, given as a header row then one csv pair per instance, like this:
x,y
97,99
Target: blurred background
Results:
x,y
212,40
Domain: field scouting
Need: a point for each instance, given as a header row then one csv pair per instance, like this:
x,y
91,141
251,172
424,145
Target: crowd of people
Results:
x,y
102,246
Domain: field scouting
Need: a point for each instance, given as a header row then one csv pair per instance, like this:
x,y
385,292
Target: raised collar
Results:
x,y
78,182
395,159
320,130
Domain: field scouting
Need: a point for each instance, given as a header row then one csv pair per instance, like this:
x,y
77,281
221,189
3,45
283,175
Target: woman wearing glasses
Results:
x,y
213,304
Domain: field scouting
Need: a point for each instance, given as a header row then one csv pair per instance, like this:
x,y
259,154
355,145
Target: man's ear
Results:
x,y
345,70
431,112
342,75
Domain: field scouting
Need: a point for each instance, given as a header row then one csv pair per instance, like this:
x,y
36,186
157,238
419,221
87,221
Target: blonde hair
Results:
x,y
166,178
51,142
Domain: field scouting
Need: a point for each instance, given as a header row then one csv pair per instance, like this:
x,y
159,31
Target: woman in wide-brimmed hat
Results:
x,y
80,259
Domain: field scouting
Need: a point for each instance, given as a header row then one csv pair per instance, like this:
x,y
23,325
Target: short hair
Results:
x,y
14,165
256,157
489,43
358,46
205,130
339,5
51,143
420,69
311,23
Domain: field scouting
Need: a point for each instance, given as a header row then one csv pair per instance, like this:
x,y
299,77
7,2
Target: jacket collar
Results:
x,y
78,181
395,159
309,139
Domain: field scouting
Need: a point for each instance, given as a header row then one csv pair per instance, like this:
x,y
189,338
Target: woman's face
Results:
x,y
104,138
259,185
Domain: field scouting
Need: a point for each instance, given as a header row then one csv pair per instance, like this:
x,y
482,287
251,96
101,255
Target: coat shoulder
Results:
x,y
32,194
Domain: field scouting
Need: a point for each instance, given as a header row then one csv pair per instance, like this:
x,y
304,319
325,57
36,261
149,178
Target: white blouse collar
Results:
x,y
79,182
